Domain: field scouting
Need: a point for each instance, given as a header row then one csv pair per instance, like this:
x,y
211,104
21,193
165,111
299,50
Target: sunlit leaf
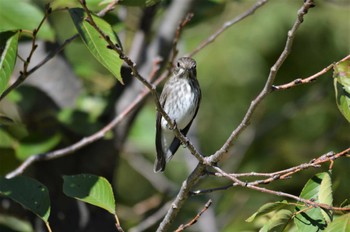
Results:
x,y
91,189
340,224
325,195
8,50
317,189
23,15
95,43
267,208
278,221
341,77
30,193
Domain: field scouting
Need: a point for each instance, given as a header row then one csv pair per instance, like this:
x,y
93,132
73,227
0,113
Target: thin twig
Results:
x,y
181,197
278,175
300,81
195,219
117,224
213,159
179,30
150,86
108,8
99,134
81,143
25,73
228,24
279,193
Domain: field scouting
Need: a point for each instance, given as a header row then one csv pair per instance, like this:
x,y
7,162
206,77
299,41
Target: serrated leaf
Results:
x,y
95,43
340,224
30,193
19,14
313,219
325,196
8,50
91,189
278,221
341,77
267,208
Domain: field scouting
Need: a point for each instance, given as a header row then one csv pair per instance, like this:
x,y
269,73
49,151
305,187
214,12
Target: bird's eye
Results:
x,y
178,64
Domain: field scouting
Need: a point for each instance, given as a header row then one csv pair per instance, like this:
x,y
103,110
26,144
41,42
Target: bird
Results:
x,y
180,99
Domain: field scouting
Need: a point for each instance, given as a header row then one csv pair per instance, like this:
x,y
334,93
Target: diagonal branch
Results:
x,y
267,88
195,219
193,179
300,81
146,83
227,25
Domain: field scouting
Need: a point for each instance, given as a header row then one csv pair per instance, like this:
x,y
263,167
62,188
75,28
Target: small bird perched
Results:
x,y
180,99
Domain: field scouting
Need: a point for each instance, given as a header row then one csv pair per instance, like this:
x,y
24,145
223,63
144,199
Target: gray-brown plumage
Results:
x,y
180,99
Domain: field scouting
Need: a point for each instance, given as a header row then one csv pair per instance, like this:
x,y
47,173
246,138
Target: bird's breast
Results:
x,y
180,104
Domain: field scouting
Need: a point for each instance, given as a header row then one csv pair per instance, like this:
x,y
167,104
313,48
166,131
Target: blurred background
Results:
x,y
74,96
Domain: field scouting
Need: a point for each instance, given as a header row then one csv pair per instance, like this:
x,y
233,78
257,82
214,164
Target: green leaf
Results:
x,y
30,193
317,189
91,189
95,43
278,221
8,50
267,208
340,224
325,196
341,77
24,15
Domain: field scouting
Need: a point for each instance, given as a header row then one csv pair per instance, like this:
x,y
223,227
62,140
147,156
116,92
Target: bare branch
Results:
x,y
195,219
228,24
150,86
300,81
181,197
101,133
78,145
278,193
267,88
213,159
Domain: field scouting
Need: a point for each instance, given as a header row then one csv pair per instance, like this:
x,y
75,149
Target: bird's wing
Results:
x,y
160,161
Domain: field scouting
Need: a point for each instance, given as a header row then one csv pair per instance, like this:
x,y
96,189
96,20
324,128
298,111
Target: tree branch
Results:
x,y
227,25
307,80
267,88
25,73
195,219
